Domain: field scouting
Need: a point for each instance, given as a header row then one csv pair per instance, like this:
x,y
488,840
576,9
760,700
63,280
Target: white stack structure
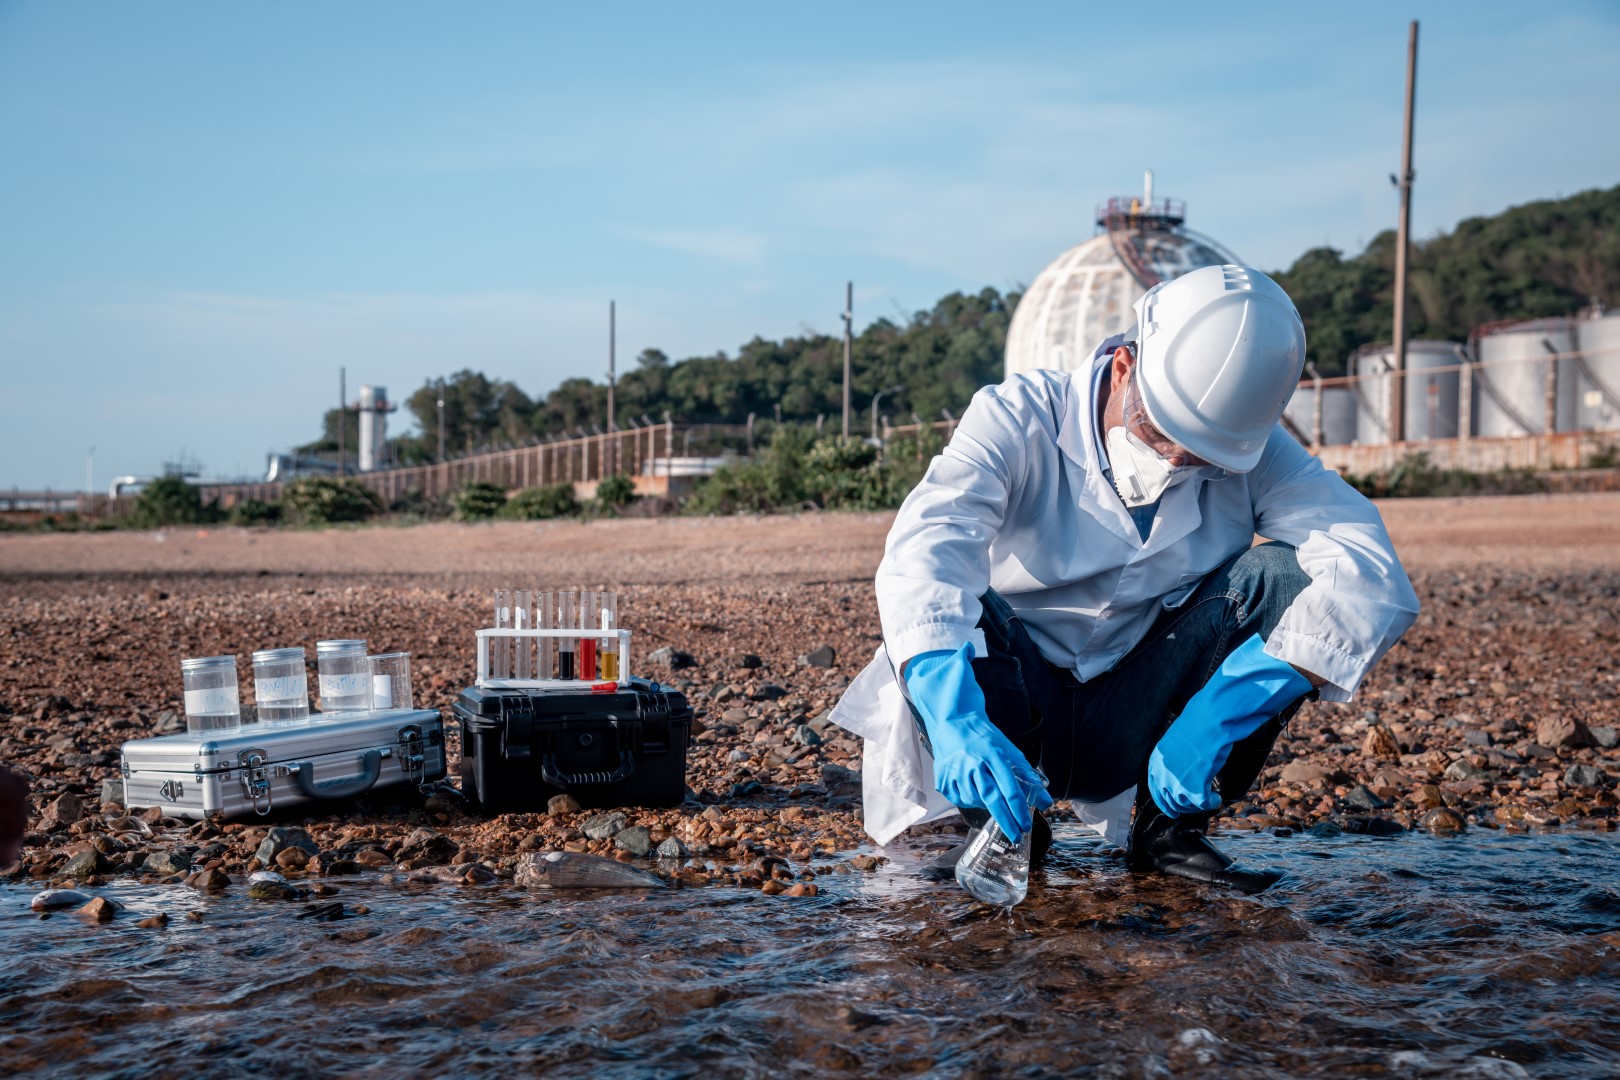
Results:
x,y
1596,388
374,409
1516,363
1087,293
1433,390
1337,413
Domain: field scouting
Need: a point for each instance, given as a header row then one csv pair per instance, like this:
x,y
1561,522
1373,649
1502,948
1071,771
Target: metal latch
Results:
x,y
412,758
255,778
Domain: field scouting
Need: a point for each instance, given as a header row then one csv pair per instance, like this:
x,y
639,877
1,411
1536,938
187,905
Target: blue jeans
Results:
x,y
1093,739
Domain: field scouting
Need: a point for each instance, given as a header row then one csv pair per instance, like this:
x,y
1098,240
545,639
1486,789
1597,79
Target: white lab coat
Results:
x,y
1018,502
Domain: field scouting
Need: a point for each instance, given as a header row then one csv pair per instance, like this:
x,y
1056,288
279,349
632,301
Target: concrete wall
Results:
x,y
1566,450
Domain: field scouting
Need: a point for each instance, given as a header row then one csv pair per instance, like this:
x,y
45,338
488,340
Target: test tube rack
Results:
x,y
576,686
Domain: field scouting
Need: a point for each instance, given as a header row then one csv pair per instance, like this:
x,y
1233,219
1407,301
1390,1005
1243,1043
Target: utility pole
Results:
x,y
90,473
343,421
1403,244
612,373
441,421
849,319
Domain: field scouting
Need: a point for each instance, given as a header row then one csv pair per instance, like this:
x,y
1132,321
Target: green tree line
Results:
x,y
1542,258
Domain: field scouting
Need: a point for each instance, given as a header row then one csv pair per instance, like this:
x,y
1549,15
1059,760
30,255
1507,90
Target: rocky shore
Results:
x,y
1498,711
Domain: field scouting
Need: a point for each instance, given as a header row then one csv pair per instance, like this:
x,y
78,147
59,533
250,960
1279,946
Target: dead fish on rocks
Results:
x,y
573,870
52,899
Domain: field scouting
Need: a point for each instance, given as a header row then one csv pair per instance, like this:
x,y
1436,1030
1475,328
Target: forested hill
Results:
x,y
1543,258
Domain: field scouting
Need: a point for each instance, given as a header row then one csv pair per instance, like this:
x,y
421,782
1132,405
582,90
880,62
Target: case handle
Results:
x,y
370,771
559,779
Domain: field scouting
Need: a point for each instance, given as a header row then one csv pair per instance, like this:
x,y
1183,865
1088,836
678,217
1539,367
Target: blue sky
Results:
x,y
205,209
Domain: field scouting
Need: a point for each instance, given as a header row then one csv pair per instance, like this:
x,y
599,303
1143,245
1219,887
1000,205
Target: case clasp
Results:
x,y
255,778
412,759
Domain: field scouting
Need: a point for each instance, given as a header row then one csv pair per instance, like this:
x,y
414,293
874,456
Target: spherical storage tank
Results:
x,y
1512,362
1086,294
1596,384
1433,390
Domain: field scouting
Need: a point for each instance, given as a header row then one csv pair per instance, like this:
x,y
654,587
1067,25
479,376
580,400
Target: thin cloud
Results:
x,y
732,245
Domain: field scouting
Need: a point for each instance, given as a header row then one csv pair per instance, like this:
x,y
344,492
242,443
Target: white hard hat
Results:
x,y
1219,351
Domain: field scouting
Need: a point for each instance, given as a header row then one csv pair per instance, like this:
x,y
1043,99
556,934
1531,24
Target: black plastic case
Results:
x,y
521,747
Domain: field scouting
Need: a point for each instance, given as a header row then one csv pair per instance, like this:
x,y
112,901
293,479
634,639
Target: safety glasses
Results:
x,y
1138,424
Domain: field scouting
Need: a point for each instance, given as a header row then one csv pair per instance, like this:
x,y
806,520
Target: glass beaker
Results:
x,y
281,684
345,677
390,681
567,619
211,697
608,660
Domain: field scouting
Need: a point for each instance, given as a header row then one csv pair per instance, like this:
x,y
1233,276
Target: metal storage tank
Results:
x,y
1596,384
1510,377
374,410
1338,413
1086,294
1433,393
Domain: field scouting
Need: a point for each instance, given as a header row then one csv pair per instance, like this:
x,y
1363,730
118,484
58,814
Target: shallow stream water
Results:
x,y
1486,955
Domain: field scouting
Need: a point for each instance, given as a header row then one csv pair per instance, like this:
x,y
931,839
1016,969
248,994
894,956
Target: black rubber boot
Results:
x,y
1163,844
943,866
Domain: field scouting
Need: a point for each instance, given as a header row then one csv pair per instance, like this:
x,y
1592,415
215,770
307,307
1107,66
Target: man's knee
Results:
x,y
1269,577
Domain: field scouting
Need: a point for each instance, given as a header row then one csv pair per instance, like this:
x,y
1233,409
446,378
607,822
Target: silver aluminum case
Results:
x,y
271,766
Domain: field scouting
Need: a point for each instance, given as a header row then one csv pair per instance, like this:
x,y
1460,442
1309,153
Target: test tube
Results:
x,y
567,618
281,684
500,648
522,647
345,677
608,605
545,608
390,681
587,640
211,698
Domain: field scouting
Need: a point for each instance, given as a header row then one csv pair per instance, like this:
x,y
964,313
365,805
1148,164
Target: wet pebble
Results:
x,y
1362,798
167,863
99,910
209,881
154,922
1585,776
603,826
271,890
562,805
1442,821
637,840
85,864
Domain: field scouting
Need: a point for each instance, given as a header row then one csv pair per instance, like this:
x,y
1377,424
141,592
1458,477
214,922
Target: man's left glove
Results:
x,y
975,765
1249,688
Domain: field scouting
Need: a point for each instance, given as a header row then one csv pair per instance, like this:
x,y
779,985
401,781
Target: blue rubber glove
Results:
x,y
975,765
1248,689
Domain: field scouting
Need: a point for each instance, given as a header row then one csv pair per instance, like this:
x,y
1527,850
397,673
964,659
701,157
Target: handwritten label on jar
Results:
x,y
219,701
283,688
382,694
343,686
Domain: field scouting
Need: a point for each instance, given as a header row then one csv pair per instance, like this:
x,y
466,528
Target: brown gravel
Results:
x,y
1498,710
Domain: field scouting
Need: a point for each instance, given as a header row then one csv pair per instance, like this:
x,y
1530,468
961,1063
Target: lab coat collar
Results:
x,y
1080,440
1088,463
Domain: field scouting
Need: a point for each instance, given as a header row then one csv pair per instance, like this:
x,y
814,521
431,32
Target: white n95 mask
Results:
x,y
1140,474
